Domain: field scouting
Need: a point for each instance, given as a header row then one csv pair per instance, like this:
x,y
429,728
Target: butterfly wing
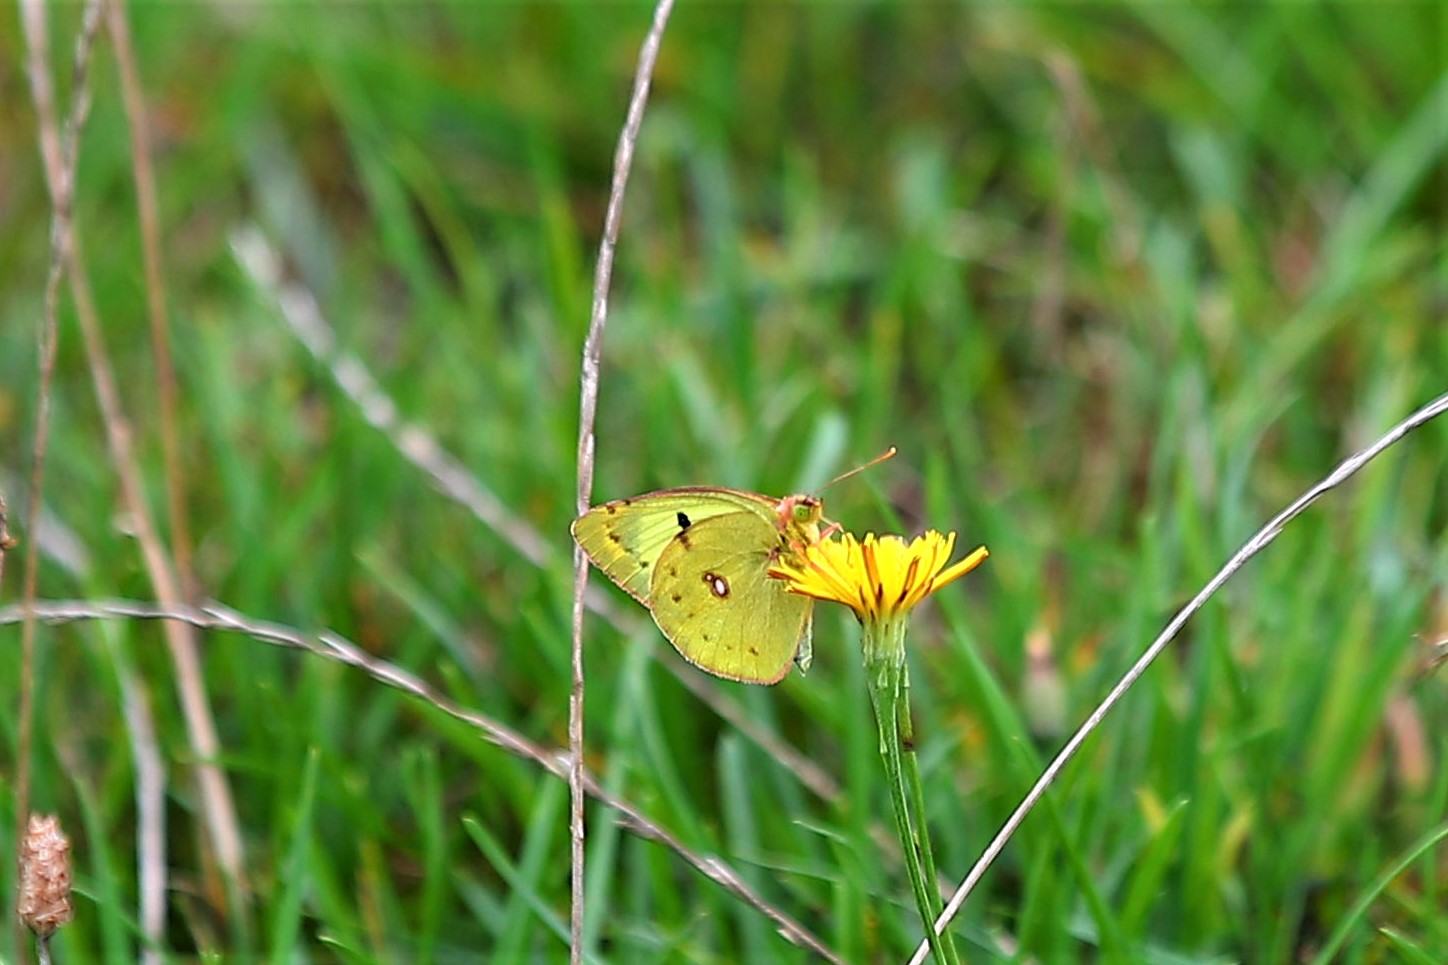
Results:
x,y
625,537
712,597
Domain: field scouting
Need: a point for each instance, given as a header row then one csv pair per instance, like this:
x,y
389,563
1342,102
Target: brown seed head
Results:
x,y
45,876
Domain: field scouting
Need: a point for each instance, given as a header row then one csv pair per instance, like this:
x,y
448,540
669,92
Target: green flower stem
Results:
x,y
917,801
884,647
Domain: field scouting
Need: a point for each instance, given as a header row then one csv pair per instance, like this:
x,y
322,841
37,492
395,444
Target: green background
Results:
x,y
1119,280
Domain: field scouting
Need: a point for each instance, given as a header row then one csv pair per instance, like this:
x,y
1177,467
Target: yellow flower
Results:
x,y
879,578
882,578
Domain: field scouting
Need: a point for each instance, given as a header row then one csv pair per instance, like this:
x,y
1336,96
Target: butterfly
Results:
x,y
699,558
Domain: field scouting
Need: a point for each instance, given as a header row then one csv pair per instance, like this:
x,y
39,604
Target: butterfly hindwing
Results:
x,y
713,599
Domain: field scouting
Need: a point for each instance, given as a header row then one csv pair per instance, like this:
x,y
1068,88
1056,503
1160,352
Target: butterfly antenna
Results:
x,y
887,454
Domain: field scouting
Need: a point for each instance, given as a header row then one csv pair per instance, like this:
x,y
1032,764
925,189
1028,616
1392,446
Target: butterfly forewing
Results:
x,y
624,537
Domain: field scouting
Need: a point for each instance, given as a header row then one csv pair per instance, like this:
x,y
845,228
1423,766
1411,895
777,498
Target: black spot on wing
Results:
x,y
684,522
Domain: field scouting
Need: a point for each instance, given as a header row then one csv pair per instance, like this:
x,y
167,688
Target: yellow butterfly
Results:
x,y
698,558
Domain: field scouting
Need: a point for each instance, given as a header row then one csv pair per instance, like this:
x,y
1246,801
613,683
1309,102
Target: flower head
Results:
x,y
880,578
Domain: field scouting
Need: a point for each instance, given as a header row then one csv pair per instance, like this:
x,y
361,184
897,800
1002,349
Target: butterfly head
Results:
x,y
798,518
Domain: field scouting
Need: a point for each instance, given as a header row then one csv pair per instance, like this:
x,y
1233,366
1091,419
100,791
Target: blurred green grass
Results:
x,y
1119,280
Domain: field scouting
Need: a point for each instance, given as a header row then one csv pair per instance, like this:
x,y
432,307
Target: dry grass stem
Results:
x,y
333,646
1259,541
59,157
150,223
150,773
299,309
587,411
